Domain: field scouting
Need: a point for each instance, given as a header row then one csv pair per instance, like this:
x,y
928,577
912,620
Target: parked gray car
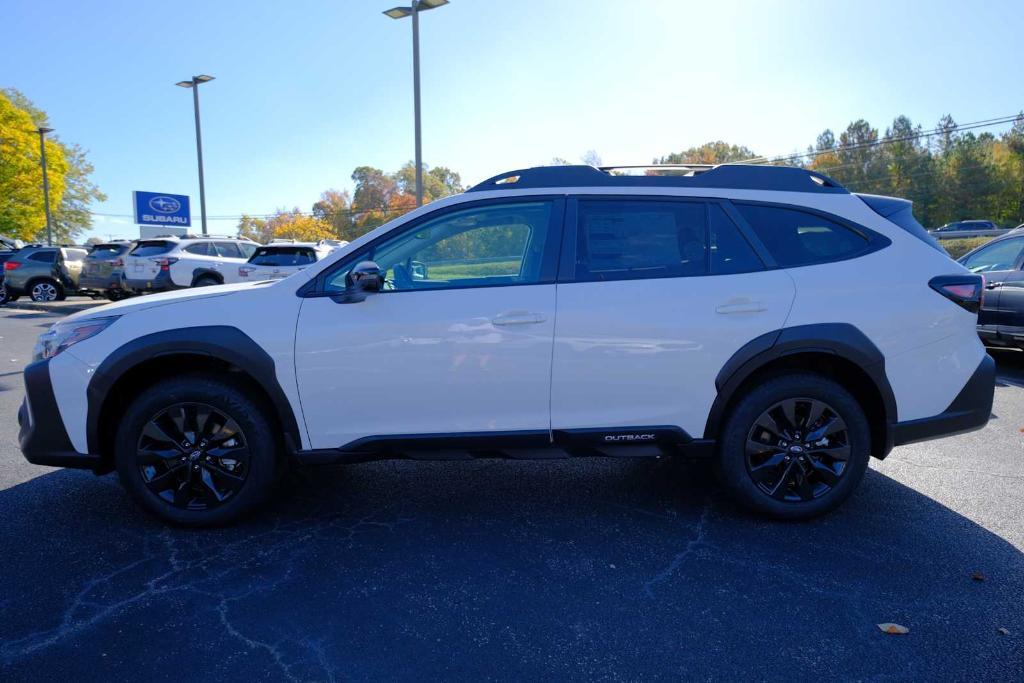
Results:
x,y
103,270
43,273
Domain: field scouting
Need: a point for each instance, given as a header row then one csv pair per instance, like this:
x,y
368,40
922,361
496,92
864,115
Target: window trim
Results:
x,y
315,288
570,238
873,241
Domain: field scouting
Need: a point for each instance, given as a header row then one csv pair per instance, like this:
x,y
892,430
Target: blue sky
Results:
x,y
308,90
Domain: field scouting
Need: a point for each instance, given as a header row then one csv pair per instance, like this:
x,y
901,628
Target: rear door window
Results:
x,y
636,239
228,250
730,250
43,256
800,238
152,248
201,249
283,256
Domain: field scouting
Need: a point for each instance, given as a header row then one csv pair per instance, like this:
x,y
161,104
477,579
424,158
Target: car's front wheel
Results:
x,y
795,447
196,451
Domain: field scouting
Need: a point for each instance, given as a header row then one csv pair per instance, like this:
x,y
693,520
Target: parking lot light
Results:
x,y
193,83
400,12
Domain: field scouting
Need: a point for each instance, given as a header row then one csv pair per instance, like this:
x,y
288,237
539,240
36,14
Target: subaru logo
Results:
x,y
165,204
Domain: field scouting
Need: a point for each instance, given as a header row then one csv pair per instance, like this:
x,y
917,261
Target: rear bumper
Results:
x,y
970,410
100,283
42,436
162,282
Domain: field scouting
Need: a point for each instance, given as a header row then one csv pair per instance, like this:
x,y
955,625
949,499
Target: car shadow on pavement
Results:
x,y
503,569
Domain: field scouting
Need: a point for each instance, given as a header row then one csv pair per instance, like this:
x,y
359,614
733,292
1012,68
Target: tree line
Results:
x,y
948,173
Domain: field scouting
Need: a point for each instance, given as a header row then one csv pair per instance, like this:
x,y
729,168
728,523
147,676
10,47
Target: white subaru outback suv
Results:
x,y
164,263
763,317
278,260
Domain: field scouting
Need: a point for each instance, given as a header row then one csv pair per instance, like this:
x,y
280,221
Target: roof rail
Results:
x,y
726,176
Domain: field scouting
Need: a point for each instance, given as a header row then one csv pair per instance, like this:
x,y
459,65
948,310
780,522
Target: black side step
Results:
x,y
618,442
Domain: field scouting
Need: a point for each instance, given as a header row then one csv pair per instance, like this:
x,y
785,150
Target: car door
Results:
x,y
459,341
70,264
998,263
654,296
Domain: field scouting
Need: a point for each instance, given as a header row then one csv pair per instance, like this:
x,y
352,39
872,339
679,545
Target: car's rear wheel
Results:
x,y
795,447
4,296
196,451
43,291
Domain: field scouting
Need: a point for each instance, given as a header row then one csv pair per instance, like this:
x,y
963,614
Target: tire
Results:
x,y
4,296
45,291
195,484
801,478
206,281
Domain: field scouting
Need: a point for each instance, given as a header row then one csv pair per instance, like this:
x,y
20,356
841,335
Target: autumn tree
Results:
x,y
69,169
254,229
298,226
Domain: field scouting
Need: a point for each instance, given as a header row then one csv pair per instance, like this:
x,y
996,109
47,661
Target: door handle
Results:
x,y
518,319
743,306
993,285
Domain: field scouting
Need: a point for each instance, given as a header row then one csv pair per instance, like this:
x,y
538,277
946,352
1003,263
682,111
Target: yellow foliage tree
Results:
x,y
298,226
22,213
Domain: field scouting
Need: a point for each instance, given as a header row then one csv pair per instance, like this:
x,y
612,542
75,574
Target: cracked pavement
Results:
x,y
593,568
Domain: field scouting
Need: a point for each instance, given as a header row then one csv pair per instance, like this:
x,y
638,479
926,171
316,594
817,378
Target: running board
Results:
x,y
616,442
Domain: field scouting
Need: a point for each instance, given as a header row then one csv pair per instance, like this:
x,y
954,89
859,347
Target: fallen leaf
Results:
x,y
1004,631
893,629
978,576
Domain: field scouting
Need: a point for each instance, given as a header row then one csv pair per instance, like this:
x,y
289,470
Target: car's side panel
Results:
x,y
246,310
647,352
426,362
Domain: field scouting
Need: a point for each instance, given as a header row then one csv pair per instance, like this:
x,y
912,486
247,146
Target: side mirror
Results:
x,y
364,279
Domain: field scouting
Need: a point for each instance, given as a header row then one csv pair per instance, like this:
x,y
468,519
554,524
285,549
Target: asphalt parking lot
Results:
x,y
586,569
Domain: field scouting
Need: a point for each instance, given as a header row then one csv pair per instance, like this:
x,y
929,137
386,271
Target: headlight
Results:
x,y
62,335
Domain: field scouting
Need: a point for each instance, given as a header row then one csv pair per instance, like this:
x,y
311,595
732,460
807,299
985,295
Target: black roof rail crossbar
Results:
x,y
724,176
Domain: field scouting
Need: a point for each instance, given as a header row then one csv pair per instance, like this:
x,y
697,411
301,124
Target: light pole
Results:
x,y
194,84
42,130
414,11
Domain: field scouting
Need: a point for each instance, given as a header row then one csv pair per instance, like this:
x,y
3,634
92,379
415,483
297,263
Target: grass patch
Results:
x,y
958,247
460,271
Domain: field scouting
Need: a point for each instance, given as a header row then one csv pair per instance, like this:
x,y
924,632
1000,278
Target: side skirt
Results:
x,y
615,442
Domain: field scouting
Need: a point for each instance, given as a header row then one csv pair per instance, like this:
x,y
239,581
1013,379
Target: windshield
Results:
x,y
105,252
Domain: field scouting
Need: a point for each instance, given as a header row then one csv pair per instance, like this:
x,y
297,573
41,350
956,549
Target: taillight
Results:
x,y
164,263
11,265
963,290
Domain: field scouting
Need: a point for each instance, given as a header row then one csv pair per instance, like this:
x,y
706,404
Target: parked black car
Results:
x,y
103,270
967,226
1000,263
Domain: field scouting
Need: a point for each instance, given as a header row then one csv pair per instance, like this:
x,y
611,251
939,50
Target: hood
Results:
x,y
147,301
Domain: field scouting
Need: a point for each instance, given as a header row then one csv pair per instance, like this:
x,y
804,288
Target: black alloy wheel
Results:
x,y
798,450
193,456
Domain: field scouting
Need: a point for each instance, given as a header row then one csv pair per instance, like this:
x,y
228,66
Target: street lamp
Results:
x,y
42,130
400,13
194,84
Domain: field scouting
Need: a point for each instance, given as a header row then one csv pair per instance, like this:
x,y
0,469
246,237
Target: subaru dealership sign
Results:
x,y
159,208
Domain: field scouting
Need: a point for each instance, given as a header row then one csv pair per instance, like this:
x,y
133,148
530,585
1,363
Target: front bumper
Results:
x,y
41,434
970,410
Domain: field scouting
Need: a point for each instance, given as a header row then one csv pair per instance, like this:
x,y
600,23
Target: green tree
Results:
x,y
71,215
254,229
335,208
717,152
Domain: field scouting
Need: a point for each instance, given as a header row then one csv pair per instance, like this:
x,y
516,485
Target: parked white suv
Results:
x,y
163,263
763,317
278,260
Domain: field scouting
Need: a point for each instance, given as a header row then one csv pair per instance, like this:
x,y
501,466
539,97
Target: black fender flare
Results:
x,y
841,339
225,343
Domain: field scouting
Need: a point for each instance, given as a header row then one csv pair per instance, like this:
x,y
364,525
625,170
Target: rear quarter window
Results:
x,y
799,238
